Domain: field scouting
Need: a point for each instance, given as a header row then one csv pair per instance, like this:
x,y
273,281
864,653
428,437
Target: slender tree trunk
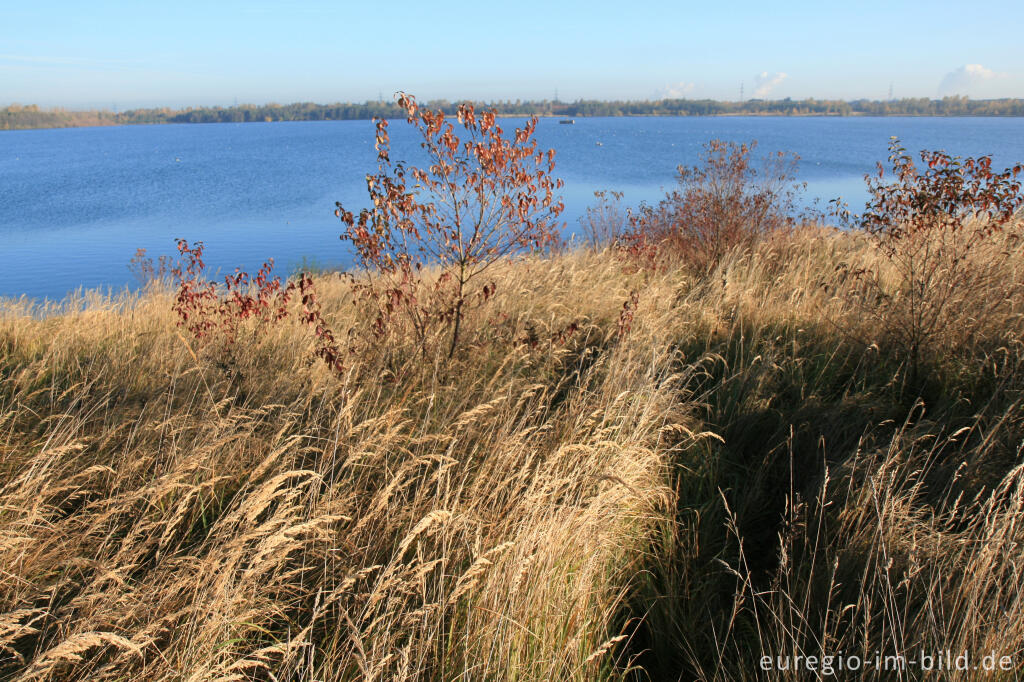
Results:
x,y
455,328
458,309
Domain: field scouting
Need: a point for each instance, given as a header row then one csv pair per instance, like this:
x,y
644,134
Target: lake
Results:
x,y
76,203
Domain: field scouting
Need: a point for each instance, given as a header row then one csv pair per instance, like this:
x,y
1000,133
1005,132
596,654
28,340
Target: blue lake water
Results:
x,y
76,203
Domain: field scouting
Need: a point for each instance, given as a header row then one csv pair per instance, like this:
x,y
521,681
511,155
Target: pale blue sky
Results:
x,y
128,54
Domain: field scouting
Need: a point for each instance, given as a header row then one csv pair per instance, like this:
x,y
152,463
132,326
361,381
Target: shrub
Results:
x,y
196,300
723,203
482,198
938,231
206,311
327,347
605,222
146,270
202,309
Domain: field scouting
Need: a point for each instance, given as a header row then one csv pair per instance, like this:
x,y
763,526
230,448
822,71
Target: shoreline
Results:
x,y
33,117
116,124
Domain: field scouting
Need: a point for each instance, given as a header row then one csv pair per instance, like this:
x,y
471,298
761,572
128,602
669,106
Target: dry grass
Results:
x,y
741,474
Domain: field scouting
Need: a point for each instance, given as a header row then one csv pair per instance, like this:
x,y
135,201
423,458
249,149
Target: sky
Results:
x,y
120,55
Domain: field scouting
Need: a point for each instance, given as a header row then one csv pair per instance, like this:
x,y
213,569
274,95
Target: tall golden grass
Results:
x,y
740,475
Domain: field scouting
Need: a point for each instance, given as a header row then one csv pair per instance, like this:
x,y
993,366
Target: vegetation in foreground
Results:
x,y
635,465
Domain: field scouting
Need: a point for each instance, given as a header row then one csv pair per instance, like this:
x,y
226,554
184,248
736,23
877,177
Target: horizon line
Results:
x,y
114,109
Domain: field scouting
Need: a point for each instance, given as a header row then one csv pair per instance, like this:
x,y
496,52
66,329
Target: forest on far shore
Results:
x,y
17,117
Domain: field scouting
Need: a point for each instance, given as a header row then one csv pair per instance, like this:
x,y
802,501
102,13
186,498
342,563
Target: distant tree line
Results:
x,y
16,116
19,117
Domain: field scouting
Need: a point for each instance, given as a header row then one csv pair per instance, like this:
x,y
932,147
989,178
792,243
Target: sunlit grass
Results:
x,y
743,473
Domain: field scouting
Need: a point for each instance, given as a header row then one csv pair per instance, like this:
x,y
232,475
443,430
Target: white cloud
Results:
x,y
765,82
677,90
966,79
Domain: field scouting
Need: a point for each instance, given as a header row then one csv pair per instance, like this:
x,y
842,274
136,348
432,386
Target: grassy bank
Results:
x,y
745,469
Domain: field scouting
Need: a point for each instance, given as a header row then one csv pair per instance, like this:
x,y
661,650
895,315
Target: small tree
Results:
x,y
725,202
930,226
483,197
